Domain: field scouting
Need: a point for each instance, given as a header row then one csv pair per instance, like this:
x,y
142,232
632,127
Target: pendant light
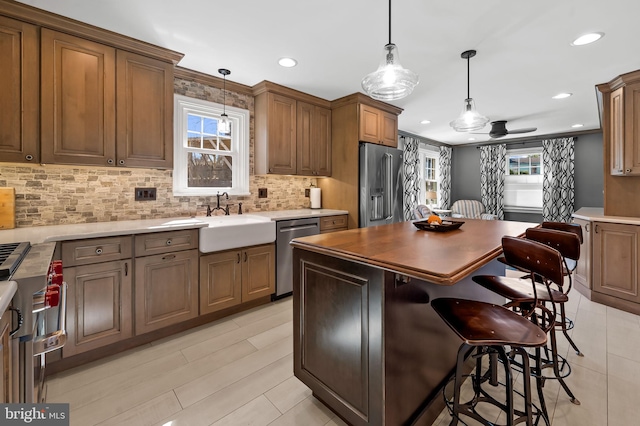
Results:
x,y
470,119
390,81
224,126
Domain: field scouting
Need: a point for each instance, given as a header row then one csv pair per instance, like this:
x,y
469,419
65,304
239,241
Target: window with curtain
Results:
x,y
523,180
429,174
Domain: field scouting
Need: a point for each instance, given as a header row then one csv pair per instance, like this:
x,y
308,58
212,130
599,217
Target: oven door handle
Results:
x,y
55,340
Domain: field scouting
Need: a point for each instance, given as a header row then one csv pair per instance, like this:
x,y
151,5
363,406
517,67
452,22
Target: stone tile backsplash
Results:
x,y
53,195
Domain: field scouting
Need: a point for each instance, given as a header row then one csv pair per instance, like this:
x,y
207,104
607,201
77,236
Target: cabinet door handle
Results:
x,y
121,162
169,257
628,171
238,257
245,256
29,157
587,227
126,269
595,229
169,242
110,161
99,251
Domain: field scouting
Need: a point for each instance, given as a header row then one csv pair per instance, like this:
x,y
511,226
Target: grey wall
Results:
x,y
589,178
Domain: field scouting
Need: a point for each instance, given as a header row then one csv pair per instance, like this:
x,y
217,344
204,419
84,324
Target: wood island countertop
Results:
x,y
440,257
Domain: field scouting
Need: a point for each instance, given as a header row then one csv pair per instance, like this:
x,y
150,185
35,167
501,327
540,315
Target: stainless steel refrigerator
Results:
x,y
380,185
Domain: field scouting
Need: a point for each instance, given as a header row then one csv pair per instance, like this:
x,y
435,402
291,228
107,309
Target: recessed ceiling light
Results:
x,y
472,139
425,122
575,126
287,62
587,38
562,95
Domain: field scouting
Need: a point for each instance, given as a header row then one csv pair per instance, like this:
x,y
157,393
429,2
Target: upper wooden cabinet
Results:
x,y
377,126
619,102
144,111
20,89
621,121
78,100
293,132
313,140
73,93
102,106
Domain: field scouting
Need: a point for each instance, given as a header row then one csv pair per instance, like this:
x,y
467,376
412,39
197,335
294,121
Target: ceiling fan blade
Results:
x,y
524,130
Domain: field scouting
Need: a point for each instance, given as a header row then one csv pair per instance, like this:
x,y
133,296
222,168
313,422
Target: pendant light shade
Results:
x,y
470,119
390,81
224,126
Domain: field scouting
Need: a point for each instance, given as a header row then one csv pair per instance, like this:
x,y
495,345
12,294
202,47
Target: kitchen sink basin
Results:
x,y
229,232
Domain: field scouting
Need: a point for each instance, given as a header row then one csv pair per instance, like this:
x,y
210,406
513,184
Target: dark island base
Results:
x,y
368,343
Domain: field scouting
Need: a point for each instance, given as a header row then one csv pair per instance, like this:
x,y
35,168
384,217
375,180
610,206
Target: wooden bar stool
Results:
x,y
571,254
490,328
547,295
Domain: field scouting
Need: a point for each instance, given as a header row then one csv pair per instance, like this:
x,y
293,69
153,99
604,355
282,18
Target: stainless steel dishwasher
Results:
x,y
286,230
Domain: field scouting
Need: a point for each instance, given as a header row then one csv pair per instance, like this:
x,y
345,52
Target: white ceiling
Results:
x,y
524,52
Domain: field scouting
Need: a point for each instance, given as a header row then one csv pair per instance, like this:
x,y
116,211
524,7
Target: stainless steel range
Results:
x,y
41,295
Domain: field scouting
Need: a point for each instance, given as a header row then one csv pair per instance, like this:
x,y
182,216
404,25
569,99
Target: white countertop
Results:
x,y
41,234
597,214
7,290
299,213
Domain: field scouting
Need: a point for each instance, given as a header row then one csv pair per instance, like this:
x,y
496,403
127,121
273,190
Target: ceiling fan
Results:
x,y
499,129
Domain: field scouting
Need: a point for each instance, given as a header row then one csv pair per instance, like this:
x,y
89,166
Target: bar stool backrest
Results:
x,y
566,227
535,257
567,243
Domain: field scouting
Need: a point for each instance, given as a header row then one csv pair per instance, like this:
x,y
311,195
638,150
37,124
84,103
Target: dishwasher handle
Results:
x,y
295,228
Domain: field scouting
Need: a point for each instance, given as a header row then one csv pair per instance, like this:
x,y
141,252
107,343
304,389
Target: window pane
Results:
x,y
524,170
210,126
193,140
194,123
224,143
210,142
513,165
207,170
535,170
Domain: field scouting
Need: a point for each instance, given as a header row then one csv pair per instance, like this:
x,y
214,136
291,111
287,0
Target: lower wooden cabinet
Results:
x,y
616,260
334,223
5,358
231,277
99,308
166,290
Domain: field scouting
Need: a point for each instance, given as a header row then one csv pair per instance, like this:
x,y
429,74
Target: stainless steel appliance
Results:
x,y
41,295
286,230
380,185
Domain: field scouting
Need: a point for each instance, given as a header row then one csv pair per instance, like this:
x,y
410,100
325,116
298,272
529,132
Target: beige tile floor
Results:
x,y
238,371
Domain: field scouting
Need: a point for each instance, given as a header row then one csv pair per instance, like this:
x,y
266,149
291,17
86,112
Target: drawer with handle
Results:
x,y
333,223
95,250
164,242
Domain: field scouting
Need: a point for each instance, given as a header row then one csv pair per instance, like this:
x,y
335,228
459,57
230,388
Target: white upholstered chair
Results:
x,y
421,212
471,209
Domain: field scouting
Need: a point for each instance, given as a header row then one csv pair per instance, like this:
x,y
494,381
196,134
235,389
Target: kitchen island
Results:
x,y
366,340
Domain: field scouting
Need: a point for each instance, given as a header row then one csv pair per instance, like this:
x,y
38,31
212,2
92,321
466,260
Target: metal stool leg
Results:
x,y
563,317
457,383
556,368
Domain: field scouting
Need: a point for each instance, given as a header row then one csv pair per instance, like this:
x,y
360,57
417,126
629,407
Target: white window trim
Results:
x,y
522,151
428,151
183,105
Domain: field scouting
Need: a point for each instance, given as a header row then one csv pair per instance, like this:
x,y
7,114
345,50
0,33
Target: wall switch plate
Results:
x,y
262,192
307,192
145,194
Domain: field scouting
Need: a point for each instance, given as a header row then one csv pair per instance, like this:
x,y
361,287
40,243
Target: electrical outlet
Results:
x,y
262,192
307,192
145,194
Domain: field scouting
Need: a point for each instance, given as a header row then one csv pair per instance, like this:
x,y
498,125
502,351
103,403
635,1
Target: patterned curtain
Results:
x,y
411,181
558,181
492,168
444,182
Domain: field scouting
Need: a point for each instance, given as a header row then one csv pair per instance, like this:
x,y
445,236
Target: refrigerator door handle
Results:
x,y
388,185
